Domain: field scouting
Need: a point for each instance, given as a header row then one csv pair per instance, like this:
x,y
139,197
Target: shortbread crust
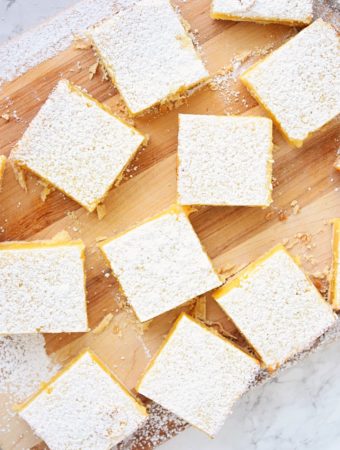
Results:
x,y
148,53
198,375
160,264
83,406
224,160
276,307
42,287
298,84
75,144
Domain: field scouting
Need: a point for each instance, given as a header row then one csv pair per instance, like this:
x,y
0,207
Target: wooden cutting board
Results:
x,y
306,195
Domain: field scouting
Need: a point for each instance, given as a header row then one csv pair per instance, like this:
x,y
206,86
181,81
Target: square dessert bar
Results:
x,y
76,145
298,84
148,53
83,407
289,12
334,291
160,264
42,287
198,375
224,160
276,307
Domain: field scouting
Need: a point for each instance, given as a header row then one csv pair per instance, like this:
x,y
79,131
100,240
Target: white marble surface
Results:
x,y
300,410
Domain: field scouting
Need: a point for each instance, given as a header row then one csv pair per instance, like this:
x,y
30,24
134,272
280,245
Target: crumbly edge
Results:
x,y
90,208
269,178
45,386
172,97
173,209
32,245
261,20
252,90
247,271
172,332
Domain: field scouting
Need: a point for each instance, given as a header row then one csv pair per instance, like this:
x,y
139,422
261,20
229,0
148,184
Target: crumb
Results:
x,y
305,238
200,308
282,215
101,238
103,324
275,182
93,69
20,177
81,44
269,215
62,236
295,207
101,211
5,116
46,190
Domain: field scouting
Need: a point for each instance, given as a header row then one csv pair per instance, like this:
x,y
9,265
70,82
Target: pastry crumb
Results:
x,y
103,324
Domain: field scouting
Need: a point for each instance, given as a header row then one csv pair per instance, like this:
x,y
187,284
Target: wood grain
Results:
x,y
232,236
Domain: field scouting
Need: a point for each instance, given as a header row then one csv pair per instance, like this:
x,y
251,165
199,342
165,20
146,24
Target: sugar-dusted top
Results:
x,y
299,83
287,11
42,287
84,407
198,375
148,53
161,264
76,145
276,307
224,160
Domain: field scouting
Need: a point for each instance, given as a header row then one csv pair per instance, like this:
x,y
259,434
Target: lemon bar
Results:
x,y
276,307
42,287
83,407
198,375
334,291
76,145
288,12
299,83
148,53
224,160
3,160
160,264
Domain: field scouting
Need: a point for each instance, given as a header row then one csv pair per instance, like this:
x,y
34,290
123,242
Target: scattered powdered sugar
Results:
x,y
53,36
160,426
24,364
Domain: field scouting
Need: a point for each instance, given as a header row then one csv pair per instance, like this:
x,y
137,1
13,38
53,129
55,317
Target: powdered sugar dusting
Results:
x,y
180,376
83,408
24,364
162,261
276,308
53,36
70,121
299,83
224,160
148,53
